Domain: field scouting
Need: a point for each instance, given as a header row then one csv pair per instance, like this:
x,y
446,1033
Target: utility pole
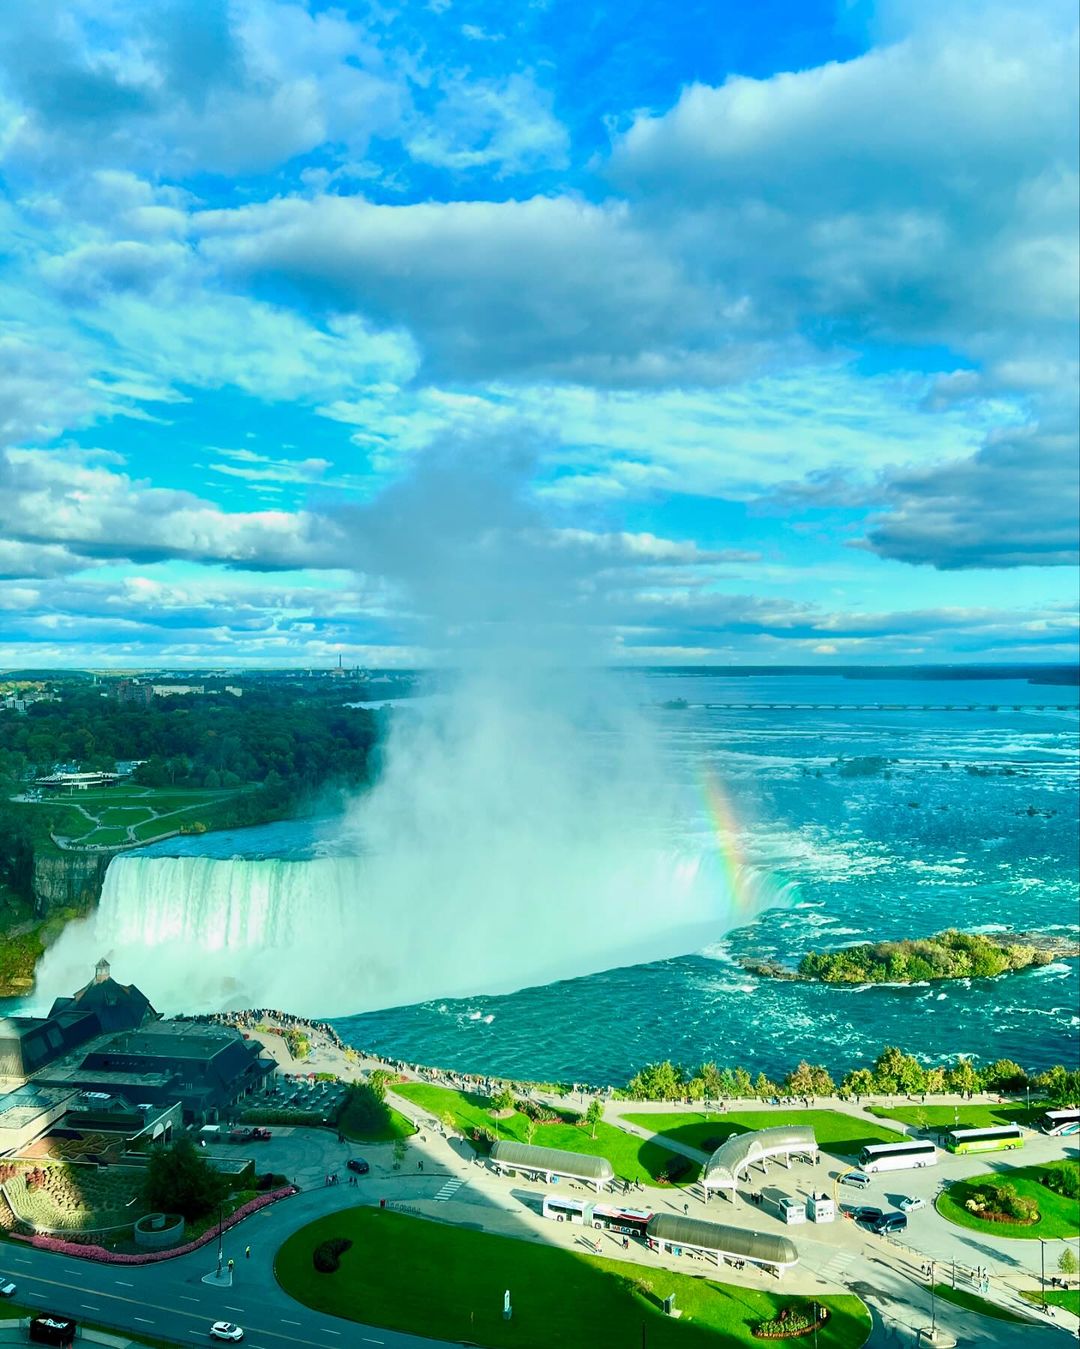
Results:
x,y
220,1229
933,1302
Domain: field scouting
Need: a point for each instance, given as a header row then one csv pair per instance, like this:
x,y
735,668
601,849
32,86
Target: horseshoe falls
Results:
x,y
338,935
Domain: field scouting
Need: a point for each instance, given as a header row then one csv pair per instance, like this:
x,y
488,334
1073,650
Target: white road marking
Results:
x,y
121,1284
86,1307
144,1319
284,1322
184,1298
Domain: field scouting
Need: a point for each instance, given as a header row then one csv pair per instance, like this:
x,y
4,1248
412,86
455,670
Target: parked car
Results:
x,y
260,1135
857,1178
241,1135
911,1205
225,1330
889,1223
358,1165
7,1288
867,1214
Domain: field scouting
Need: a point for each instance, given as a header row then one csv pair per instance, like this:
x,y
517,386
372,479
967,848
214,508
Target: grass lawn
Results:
x,y
974,1303
633,1158
396,1126
429,1279
1060,1216
833,1129
1069,1298
970,1116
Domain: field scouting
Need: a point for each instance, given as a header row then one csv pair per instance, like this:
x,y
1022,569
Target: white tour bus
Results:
x,y
897,1156
1060,1122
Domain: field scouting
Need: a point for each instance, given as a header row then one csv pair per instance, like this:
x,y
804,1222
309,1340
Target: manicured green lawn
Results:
x,y
834,1130
1060,1217
431,1279
397,1126
1069,1298
964,1116
633,1158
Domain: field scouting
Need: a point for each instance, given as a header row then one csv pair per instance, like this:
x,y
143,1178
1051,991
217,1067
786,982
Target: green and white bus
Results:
x,y
984,1140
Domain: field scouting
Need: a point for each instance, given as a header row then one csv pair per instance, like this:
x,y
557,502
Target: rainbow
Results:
x,y
722,821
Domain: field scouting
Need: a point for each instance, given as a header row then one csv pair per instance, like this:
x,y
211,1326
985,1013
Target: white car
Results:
x,y
911,1205
225,1330
7,1288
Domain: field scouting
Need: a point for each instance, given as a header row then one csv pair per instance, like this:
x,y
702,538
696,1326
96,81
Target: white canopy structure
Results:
x,y
733,1159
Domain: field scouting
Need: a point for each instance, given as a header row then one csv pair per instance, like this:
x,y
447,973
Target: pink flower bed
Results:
x,y
88,1252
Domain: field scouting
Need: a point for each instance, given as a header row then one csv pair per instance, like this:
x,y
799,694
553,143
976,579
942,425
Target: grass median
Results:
x,y
1059,1214
426,1278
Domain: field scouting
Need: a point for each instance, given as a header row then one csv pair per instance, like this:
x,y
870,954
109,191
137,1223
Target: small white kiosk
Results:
x,y
821,1208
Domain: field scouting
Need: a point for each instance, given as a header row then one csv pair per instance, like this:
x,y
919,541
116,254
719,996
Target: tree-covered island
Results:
x,y
946,955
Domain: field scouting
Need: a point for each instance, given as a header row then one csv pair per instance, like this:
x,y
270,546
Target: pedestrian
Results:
x,y
247,1252
626,1243
686,1210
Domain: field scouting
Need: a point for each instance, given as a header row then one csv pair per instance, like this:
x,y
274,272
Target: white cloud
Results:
x,y
505,124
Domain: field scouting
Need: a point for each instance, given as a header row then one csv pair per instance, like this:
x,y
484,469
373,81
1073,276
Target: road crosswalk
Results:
x,y
449,1190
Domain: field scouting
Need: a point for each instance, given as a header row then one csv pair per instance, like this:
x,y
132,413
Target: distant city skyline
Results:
x,y
708,334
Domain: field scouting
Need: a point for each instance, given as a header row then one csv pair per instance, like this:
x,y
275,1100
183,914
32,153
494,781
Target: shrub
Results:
x,y
270,1180
1065,1181
677,1167
326,1257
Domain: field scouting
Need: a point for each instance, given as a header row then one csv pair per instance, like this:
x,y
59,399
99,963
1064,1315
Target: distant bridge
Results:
x,y
883,707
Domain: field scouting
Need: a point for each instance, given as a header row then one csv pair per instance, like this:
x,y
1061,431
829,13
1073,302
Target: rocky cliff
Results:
x,y
68,880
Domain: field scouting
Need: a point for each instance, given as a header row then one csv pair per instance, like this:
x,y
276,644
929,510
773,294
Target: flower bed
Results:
x,y
790,1324
91,1252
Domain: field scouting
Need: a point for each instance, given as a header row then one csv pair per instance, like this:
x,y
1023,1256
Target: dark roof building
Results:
x,y
30,1043
118,1006
207,1068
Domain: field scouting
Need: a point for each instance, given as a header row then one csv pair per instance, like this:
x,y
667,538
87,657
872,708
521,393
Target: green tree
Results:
x,y
713,1081
503,1100
594,1114
962,1077
764,1088
858,1082
1004,1075
179,1179
378,1080
1067,1263
656,1082
800,1081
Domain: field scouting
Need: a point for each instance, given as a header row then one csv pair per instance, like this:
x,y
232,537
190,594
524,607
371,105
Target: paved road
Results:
x,y
169,1299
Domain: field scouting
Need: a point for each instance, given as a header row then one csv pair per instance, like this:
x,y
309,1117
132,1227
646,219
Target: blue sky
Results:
x,y
702,332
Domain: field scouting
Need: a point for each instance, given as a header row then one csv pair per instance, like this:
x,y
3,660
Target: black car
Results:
x,y
866,1213
358,1165
889,1223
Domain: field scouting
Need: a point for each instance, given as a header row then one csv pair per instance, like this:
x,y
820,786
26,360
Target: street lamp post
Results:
x,y
1042,1269
220,1230
933,1303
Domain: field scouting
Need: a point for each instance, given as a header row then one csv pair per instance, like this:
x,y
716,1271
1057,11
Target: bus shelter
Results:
x,y
551,1163
731,1160
670,1232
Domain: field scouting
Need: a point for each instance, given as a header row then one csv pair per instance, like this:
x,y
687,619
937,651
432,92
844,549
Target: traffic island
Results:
x,y
426,1278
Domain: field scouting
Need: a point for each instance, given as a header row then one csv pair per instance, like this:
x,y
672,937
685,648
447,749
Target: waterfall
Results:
x,y
336,935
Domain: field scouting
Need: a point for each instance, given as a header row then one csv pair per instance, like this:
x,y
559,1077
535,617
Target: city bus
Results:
x,y
1060,1122
984,1140
897,1156
631,1222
